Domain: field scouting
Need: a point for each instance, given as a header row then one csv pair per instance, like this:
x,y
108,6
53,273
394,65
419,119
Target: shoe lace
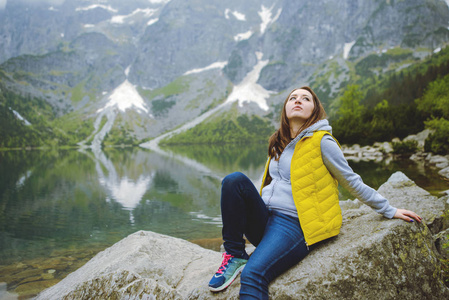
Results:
x,y
226,258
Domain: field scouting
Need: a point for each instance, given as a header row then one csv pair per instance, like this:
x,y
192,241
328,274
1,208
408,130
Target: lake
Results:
x,y
58,208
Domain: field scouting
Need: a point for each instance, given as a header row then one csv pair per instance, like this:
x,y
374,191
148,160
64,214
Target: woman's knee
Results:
x,y
234,178
251,275
253,284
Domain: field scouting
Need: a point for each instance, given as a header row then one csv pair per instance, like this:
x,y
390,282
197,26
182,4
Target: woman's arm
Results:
x,y
338,166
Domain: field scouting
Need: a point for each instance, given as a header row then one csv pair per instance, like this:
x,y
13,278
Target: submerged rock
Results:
x,y
372,258
444,172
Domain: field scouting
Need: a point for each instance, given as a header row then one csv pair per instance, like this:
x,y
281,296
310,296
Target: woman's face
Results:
x,y
299,106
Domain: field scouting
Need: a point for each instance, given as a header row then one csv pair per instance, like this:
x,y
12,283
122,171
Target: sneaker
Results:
x,y
228,271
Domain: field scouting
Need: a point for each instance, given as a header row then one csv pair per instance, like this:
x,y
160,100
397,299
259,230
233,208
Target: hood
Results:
x,y
320,125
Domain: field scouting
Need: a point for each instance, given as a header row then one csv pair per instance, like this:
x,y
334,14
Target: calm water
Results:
x,y
59,208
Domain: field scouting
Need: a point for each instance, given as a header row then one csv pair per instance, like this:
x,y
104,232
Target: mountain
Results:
x,y
134,70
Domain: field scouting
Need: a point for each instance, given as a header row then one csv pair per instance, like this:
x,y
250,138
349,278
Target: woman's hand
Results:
x,y
407,215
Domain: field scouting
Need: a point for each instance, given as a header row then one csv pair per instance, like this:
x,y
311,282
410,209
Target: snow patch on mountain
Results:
x,y
266,15
124,97
249,90
100,133
239,16
147,12
127,71
347,48
19,116
152,21
215,65
243,36
93,6
159,1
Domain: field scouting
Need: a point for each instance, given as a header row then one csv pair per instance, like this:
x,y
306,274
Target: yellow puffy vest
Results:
x,y
314,190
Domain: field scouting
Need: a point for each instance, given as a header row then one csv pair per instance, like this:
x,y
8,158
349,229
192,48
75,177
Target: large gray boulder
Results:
x,y
372,258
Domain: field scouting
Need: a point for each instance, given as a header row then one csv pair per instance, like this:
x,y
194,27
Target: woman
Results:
x,y
298,204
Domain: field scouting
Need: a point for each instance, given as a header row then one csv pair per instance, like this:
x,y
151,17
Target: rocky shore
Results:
x,y
372,258
384,151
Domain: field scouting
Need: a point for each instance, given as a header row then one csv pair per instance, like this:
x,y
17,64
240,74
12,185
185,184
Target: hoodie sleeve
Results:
x,y
338,166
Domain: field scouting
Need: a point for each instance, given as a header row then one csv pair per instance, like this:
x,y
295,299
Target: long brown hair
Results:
x,y
281,138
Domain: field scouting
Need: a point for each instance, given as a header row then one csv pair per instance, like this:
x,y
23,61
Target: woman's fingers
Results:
x,y
407,215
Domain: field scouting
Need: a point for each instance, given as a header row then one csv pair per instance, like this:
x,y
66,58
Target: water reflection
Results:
x,y
54,199
224,159
376,173
122,189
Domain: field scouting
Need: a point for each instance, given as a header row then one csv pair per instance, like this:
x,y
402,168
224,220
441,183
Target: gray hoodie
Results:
x,y
278,194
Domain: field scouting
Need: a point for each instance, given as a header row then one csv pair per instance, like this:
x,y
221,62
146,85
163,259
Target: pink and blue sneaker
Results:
x,y
230,268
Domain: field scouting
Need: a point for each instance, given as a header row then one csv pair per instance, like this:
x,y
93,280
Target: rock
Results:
x,y
436,159
144,263
48,276
356,147
372,258
365,153
420,138
444,172
396,140
442,243
418,156
386,147
440,161
5,295
442,165
399,179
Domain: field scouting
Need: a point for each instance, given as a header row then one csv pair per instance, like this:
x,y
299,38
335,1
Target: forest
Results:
x,y
400,104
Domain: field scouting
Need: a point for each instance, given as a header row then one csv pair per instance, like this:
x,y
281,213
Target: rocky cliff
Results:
x,y
372,258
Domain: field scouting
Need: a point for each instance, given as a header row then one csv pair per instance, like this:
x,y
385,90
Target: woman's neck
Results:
x,y
294,129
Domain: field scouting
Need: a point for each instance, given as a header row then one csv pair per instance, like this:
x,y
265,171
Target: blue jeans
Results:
x,y
278,238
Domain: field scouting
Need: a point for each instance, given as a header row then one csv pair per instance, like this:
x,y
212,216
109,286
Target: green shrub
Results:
x,y
438,142
405,148
349,127
436,98
226,129
161,106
